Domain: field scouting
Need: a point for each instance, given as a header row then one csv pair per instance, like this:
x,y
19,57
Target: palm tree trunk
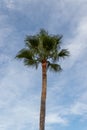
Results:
x,y
43,97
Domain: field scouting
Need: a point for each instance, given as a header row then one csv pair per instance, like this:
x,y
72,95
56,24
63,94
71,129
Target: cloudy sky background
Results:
x,y
20,86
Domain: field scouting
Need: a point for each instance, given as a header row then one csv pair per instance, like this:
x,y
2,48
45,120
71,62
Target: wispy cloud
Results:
x,y
15,100
55,119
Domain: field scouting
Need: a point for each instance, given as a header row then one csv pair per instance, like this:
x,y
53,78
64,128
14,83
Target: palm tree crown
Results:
x,y
42,48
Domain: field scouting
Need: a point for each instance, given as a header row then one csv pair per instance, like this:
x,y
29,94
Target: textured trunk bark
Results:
x,y
43,97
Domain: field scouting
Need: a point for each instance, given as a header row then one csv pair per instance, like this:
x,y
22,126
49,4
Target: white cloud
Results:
x,y
10,4
19,116
4,58
79,109
4,34
18,100
55,119
19,5
77,45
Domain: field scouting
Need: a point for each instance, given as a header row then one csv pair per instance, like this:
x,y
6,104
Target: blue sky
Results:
x,y
20,86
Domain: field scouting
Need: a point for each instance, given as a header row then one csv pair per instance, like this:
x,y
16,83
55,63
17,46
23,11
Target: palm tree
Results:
x,y
43,49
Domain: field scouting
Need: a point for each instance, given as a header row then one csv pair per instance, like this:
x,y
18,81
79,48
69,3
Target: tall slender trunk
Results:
x,y
43,97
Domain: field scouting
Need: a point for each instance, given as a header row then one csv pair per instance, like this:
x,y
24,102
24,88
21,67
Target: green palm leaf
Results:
x,y
63,53
54,67
24,53
31,63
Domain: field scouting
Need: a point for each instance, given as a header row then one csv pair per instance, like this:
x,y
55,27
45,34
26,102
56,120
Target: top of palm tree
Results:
x,y
43,47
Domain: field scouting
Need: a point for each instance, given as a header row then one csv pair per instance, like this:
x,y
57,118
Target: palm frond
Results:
x,y
55,56
63,53
31,63
24,53
32,41
57,39
54,67
43,32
